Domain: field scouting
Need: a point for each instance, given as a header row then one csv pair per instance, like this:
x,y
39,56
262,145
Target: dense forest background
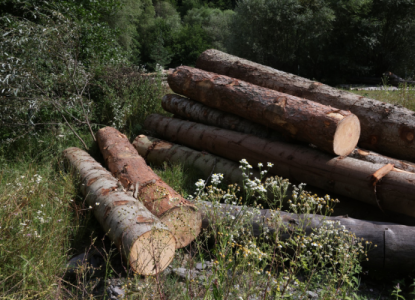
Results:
x,y
75,61
324,39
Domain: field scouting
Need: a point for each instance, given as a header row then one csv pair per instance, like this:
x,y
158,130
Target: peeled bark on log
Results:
x,y
345,176
180,215
196,112
332,130
395,244
144,242
386,128
376,158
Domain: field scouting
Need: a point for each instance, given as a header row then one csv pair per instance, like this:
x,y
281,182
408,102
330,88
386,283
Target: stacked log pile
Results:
x,y
228,109
307,130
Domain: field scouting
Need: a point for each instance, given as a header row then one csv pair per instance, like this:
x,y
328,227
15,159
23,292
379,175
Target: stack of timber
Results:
x,y
228,109
146,244
180,215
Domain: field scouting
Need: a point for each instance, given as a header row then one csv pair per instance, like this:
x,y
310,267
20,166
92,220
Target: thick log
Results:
x,y
395,244
332,130
180,215
193,111
158,151
344,176
145,243
386,128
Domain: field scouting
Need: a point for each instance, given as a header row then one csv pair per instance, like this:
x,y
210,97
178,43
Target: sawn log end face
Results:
x,y
346,136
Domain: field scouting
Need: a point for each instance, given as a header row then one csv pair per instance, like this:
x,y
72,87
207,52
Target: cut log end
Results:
x,y
185,224
152,252
346,136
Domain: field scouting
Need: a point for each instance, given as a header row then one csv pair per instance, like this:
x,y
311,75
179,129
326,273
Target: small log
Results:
x,y
190,110
345,176
395,244
332,130
144,242
386,128
180,215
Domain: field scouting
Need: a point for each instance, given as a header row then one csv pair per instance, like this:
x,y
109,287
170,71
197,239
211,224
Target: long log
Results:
x,y
158,151
395,244
194,111
386,128
144,242
180,215
345,176
332,130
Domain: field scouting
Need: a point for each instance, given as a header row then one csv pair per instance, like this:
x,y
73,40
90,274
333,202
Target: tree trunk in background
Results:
x,y
395,244
193,111
386,128
345,176
332,130
180,215
145,243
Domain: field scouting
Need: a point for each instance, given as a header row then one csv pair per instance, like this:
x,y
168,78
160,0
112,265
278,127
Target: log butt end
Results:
x,y
346,136
185,222
152,252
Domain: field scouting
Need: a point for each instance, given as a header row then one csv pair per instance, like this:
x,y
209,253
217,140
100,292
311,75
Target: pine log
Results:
x,y
386,128
158,151
395,244
332,130
193,111
180,215
345,176
144,242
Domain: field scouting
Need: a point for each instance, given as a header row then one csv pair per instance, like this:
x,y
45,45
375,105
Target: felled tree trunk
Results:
x,y
332,130
193,111
180,215
386,128
157,151
395,244
349,177
145,243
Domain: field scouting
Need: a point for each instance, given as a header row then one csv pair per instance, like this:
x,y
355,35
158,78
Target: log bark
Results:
x,y
332,130
144,242
395,244
190,110
386,128
345,176
158,151
180,215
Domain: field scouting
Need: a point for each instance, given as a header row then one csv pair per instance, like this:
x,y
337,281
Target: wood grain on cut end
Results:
x,y
346,136
152,252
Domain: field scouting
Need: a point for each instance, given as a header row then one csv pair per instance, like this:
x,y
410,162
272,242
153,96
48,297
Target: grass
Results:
x,y
44,222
